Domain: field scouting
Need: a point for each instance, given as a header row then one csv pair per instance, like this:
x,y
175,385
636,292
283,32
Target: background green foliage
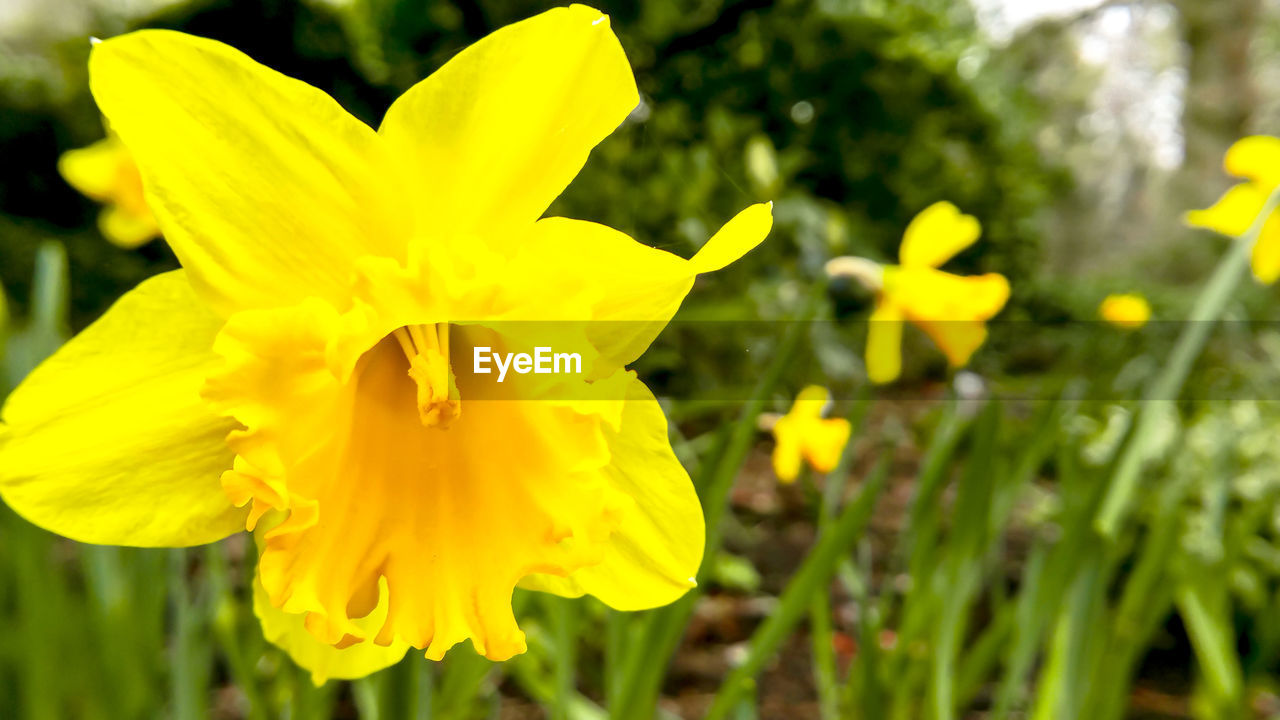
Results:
x,y
892,125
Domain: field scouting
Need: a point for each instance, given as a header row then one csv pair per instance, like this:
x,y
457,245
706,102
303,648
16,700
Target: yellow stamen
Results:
x,y
446,373
426,341
406,344
427,350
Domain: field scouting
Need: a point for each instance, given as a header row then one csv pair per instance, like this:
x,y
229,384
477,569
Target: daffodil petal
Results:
x,y
788,457
108,440
811,402
93,170
1256,157
928,294
796,432
984,295
824,442
654,552
936,235
266,189
490,139
957,339
125,229
288,631
1233,214
629,291
738,237
1266,252
884,344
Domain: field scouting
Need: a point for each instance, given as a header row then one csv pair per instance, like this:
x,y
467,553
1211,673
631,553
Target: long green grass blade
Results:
x,y
816,570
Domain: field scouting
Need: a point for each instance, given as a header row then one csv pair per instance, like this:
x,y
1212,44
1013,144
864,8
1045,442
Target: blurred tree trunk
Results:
x,y
1220,97
1219,103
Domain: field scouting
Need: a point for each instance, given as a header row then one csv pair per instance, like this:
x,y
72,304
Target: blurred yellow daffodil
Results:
x,y
803,434
105,171
309,372
952,310
1257,159
1129,311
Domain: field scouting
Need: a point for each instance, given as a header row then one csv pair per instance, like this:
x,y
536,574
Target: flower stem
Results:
x,y
187,676
814,573
662,630
564,629
1166,387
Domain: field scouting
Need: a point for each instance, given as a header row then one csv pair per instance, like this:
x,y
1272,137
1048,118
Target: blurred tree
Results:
x,y
1220,95
866,112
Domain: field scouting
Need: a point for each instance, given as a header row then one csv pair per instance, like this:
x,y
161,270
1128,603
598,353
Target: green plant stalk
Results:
x,y
961,570
539,684
462,676
1045,577
862,691
40,597
1203,599
824,655
366,692
995,639
659,634
921,524
1129,638
1146,599
1206,614
1113,677
1027,629
308,701
981,657
946,646
743,433
747,706
47,329
43,601
4,342
401,691
816,570
617,623
226,625
917,548
563,661
925,599
918,544
1062,683
188,678
1167,386
909,705
426,673
114,629
832,497
820,628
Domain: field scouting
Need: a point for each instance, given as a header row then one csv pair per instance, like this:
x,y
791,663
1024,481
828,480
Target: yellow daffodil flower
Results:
x,y
952,310
309,370
1128,311
105,171
803,434
1257,159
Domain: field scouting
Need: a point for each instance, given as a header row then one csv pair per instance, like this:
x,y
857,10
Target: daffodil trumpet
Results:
x,y
308,373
